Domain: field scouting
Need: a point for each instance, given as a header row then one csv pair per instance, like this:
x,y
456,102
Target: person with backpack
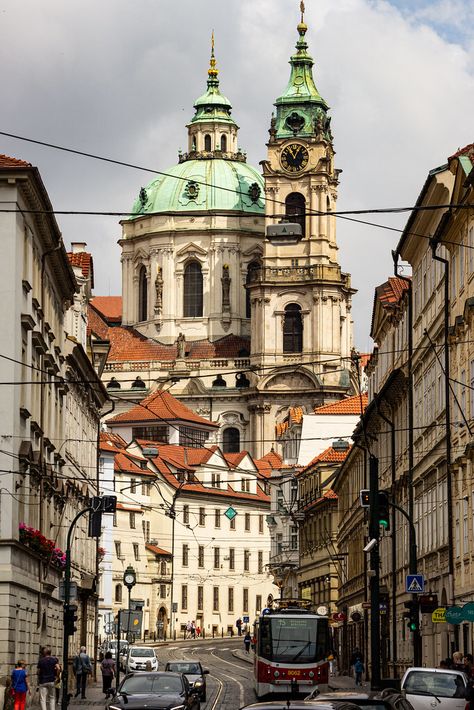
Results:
x,y
82,668
358,670
19,685
247,642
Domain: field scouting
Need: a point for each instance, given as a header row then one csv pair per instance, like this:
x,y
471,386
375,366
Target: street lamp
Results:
x,y
129,580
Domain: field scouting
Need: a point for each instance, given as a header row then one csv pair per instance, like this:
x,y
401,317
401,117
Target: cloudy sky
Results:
x,y
119,77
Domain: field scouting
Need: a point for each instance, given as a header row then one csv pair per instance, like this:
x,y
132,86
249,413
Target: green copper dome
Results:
x,y
194,185
301,110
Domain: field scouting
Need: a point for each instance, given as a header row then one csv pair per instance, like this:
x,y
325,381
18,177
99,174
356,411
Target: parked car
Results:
x,y
302,705
141,658
194,672
154,690
429,688
385,700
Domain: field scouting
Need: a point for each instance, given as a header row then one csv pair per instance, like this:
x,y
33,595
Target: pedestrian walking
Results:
x,y
188,631
48,667
198,631
358,670
193,629
107,668
58,683
19,685
247,642
356,656
238,623
82,668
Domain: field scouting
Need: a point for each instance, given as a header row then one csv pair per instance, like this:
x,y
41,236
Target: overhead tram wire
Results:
x,y
341,215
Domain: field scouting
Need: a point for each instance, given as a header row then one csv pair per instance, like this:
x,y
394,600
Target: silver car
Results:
x,y
430,688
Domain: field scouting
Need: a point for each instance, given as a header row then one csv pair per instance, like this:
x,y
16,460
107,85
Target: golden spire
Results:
x,y
212,71
302,27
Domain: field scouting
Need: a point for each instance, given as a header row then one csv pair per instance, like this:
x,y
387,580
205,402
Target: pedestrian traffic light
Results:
x,y
412,616
384,510
70,619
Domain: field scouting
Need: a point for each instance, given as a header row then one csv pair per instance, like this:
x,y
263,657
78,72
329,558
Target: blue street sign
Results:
x,y
246,619
415,584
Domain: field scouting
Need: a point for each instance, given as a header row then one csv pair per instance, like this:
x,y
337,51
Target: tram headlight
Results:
x,y
311,674
277,674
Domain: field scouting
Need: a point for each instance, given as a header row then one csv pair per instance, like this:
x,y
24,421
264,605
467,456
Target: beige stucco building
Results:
x,y
49,421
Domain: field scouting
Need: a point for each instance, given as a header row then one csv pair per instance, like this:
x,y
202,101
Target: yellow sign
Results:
x,y
439,615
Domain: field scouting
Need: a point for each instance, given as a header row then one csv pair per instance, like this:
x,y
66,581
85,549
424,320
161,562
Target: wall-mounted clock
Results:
x,y
294,157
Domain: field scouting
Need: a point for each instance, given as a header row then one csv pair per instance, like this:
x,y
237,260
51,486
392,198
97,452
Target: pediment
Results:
x,y
195,387
193,249
256,251
140,255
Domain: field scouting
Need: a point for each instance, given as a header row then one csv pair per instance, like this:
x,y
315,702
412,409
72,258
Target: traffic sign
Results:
x,y
415,584
468,611
246,619
454,614
439,615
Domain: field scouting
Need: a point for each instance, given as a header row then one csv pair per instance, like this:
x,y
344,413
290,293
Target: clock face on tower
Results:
x,y
129,579
294,157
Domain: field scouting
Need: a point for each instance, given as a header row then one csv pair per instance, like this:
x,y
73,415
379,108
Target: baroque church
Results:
x,y
238,328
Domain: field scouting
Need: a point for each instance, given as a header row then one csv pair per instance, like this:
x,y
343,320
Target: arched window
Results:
x,y
224,143
142,295
296,210
118,592
207,142
293,329
193,299
252,271
231,441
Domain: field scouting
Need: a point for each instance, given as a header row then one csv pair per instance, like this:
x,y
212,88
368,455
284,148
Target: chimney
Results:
x,y
78,247
340,445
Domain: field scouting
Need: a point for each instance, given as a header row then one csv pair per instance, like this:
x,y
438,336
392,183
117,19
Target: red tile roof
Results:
x,y
110,307
178,457
126,463
468,150
158,551
235,459
83,260
127,344
268,463
329,455
129,508
391,292
160,406
111,442
349,405
7,162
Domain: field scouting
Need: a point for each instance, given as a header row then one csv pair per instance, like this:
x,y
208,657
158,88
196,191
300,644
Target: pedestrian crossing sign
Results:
x,y
415,584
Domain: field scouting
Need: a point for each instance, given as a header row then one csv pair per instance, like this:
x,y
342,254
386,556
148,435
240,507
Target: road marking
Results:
x,y
241,687
218,692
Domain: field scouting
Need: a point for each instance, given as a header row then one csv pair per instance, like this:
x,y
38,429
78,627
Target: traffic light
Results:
x,y
70,619
384,510
412,616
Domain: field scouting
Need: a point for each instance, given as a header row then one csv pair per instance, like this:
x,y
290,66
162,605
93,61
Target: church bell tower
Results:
x,y
301,301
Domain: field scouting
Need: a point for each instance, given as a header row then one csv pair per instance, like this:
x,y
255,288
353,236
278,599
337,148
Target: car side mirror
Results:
x,y
205,670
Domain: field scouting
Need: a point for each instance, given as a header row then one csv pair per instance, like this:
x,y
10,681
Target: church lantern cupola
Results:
x,y
212,132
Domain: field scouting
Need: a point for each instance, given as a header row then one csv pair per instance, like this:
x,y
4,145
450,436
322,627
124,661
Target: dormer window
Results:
x,y
224,143
207,143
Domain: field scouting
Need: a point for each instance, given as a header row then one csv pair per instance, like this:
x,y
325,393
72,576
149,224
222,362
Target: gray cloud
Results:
x,y
119,79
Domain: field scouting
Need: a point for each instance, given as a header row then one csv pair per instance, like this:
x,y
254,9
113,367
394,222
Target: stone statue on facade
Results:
x,y
159,291
225,288
181,345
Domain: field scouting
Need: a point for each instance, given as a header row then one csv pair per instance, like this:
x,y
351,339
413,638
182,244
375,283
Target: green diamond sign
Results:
x,y
230,513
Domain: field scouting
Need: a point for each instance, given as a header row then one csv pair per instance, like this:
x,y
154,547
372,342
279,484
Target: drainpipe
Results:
x,y
413,563
391,424
447,394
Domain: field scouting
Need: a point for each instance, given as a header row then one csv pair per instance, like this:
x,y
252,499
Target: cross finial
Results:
x,y
302,8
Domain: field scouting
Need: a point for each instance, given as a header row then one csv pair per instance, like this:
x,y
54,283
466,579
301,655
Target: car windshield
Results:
x,y
191,668
443,685
140,684
142,652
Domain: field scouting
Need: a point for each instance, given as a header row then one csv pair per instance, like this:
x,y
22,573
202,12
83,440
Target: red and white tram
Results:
x,y
292,648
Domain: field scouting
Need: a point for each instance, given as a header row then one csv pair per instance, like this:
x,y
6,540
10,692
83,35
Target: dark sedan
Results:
x,y
154,691
195,674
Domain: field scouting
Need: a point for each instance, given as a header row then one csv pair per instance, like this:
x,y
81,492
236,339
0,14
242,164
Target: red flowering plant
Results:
x,y
101,552
36,541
